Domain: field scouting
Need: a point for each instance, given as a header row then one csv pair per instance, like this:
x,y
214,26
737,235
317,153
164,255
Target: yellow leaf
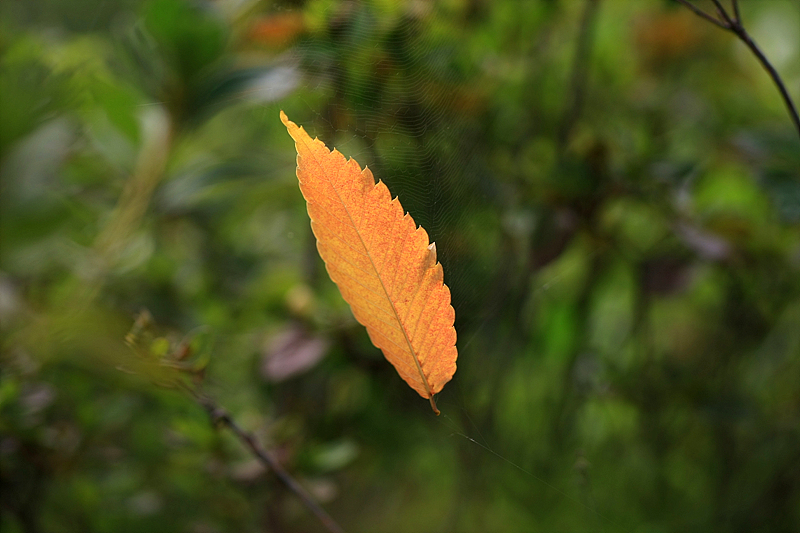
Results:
x,y
384,265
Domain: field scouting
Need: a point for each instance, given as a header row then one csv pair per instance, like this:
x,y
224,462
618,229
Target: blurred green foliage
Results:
x,y
615,196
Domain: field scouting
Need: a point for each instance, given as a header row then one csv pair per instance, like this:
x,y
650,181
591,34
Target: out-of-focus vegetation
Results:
x,y
615,196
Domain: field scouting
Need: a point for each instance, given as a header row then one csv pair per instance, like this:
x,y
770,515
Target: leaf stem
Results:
x,y
433,405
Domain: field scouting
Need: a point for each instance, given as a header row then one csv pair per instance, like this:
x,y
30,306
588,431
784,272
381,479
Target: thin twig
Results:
x,y
221,416
723,13
734,25
702,13
787,99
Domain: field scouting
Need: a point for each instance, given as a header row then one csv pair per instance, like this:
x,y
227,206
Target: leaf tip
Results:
x,y
285,119
291,126
432,253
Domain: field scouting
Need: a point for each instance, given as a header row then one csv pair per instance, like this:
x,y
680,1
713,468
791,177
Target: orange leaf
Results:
x,y
382,263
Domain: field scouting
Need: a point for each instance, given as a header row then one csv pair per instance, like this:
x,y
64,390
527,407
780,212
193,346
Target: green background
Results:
x,y
614,189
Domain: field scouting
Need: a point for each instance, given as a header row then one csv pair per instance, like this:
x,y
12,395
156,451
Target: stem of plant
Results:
x,y
221,416
734,25
787,99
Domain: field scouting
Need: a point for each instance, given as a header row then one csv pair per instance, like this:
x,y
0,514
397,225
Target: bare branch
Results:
x,y
703,14
723,13
776,78
735,26
221,416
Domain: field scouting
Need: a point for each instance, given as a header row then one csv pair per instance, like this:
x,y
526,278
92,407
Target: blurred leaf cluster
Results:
x,y
614,189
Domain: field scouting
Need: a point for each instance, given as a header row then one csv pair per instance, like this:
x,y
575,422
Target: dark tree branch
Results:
x,y
221,416
723,14
787,99
702,13
734,25
737,16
